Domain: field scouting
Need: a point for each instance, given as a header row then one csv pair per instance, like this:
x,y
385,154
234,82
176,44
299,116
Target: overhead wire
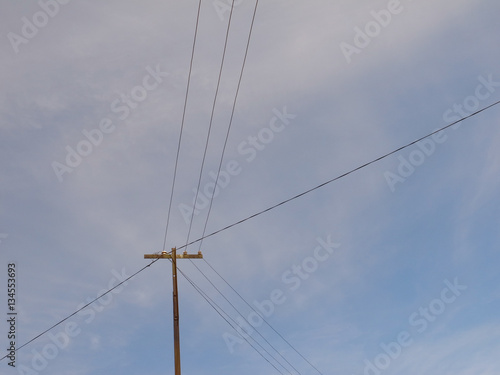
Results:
x,y
210,124
230,120
269,209
228,318
169,207
201,174
182,125
335,178
198,188
245,319
263,319
83,307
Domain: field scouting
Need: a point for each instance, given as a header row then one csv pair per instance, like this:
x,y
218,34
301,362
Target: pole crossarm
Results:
x,y
165,255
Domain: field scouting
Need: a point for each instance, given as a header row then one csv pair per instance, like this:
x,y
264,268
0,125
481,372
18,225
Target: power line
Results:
x,y
202,168
80,309
199,184
338,177
182,124
211,121
171,195
266,210
263,319
227,318
246,320
230,121
201,174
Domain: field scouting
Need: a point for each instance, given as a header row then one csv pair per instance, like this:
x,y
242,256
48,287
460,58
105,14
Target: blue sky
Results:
x,y
411,285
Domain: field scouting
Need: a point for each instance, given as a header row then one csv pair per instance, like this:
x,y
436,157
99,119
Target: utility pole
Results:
x,y
174,256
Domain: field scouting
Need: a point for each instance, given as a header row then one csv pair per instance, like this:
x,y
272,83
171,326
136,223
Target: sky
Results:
x,y
391,269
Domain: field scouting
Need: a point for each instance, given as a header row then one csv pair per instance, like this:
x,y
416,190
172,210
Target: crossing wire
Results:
x,y
199,184
182,124
267,210
196,198
338,177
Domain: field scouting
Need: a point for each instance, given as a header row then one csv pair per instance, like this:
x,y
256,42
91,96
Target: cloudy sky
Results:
x,y
392,269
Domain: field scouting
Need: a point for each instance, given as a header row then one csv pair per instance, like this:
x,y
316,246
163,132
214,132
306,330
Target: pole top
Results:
x,y
166,255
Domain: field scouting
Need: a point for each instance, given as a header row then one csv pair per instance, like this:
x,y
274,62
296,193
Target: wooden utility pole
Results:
x,y
174,256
